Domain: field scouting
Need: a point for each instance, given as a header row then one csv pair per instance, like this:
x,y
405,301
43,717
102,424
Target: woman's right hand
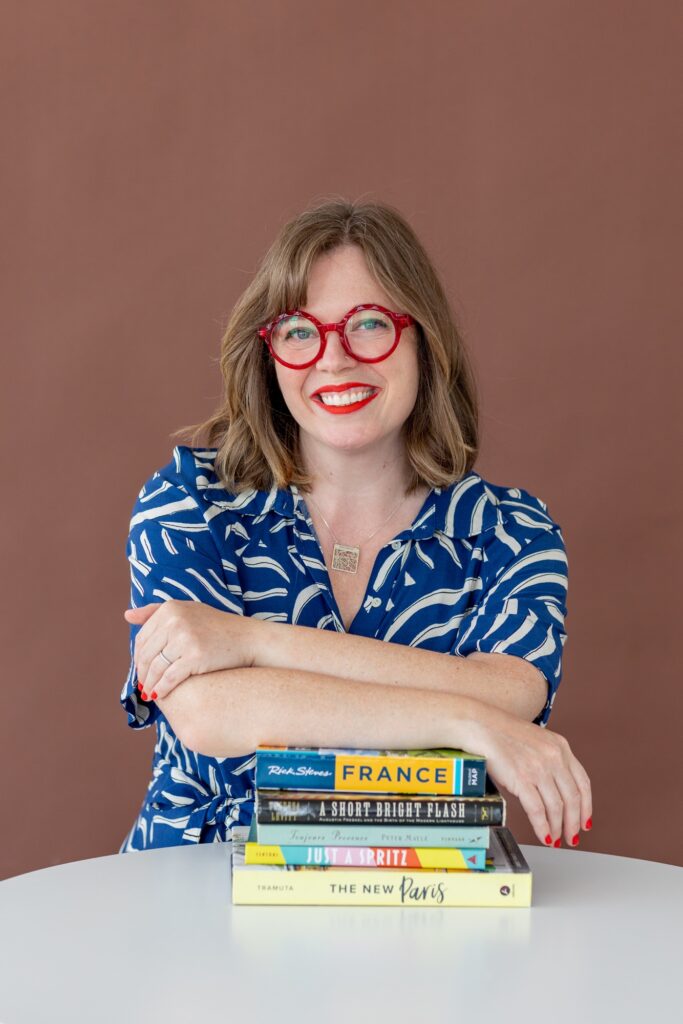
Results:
x,y
538,767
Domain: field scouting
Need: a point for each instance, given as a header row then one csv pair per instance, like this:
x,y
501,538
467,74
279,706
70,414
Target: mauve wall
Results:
x,y
151,152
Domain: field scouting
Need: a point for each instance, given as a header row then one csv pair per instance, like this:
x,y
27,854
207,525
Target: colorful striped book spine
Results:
x,y
445,771
366,856
506,882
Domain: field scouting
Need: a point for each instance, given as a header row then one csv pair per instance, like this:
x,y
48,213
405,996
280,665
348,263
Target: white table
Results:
x,y
153,937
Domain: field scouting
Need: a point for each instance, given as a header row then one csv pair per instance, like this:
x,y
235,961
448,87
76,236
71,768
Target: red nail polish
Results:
x,y
558,842
139,686
144,695
154,697
575,840
589,824
548,840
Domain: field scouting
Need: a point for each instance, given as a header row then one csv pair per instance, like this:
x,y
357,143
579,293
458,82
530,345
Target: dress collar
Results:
x,y
463,509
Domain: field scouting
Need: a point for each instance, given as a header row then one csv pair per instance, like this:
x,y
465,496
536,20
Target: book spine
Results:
x,y
379,811
458,836
366,856
361,888
376,773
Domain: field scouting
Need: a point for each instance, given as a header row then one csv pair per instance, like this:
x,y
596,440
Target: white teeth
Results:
x,y
345,397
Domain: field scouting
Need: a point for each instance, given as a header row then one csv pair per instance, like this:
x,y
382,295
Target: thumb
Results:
x,y
140,614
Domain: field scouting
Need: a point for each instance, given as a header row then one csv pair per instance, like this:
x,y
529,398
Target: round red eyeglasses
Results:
x,y
297,339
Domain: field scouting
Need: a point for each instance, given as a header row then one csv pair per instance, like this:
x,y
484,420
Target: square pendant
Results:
x,y
345,559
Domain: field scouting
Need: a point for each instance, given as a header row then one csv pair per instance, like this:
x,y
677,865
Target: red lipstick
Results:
x,y
342,387
340,409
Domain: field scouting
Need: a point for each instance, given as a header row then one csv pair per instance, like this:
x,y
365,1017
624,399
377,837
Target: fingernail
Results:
x,y
558,842
154,697
548,840
144,695
575,840
589,824
139,686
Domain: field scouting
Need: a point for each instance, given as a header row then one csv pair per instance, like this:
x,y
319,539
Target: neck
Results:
x,y
345,482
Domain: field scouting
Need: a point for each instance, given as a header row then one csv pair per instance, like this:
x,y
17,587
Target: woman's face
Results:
x,y
338,281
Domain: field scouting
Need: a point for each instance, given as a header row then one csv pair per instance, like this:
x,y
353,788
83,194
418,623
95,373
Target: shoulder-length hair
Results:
x,y
255,434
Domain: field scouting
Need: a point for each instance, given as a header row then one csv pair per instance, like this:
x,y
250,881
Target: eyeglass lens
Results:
x,y
369,334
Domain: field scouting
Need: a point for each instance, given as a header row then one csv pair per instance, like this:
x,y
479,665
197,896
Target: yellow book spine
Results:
x,y
261,853
370,888
388,774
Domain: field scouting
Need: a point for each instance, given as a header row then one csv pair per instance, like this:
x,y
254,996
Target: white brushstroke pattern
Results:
x,y
484,569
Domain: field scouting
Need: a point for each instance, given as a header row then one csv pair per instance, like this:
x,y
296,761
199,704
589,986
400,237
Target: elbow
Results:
x,y
534,695
198,721
182,710
521,688
539,689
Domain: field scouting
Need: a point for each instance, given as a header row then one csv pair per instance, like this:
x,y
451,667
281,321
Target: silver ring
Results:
x,y
162,655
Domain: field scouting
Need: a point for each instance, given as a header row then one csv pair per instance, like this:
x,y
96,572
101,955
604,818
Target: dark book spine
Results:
x,y
369,809
512,851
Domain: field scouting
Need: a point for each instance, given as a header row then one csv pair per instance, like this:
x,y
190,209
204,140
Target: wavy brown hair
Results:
x,y
255,434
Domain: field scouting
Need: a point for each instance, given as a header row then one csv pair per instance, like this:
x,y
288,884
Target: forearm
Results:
x,y
506,682
228,713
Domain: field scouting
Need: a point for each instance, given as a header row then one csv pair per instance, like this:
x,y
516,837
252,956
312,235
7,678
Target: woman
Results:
x,y
329,570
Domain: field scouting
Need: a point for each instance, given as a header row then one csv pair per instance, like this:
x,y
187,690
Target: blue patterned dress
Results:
x,y
482,568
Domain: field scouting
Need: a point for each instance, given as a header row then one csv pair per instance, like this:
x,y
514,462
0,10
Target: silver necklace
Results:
x,y
345,557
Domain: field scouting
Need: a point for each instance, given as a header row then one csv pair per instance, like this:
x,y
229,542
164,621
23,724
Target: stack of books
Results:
x,y
377,828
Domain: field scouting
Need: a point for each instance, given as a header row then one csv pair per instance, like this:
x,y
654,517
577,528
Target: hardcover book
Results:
x,y
444,771
458,836
306,807
506,882
363,856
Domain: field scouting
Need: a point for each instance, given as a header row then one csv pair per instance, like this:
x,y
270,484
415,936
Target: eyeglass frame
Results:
x,y
399,320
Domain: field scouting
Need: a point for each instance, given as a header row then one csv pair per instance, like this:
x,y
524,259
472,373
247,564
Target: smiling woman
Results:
x,y
387,596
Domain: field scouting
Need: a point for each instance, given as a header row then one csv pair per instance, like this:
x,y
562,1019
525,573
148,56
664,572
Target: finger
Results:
x,y
174,674
533,805
571,799
148,678
149,683
583,784
574,785
143,662
151,639
554,805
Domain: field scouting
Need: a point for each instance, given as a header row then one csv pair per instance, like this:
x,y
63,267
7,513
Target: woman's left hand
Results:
x,y
195,638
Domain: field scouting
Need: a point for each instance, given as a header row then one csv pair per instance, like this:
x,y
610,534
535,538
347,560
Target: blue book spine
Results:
x,y
458,836
294,769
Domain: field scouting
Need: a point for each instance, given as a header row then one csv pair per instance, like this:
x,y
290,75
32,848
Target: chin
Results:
x,y
346,440
352,441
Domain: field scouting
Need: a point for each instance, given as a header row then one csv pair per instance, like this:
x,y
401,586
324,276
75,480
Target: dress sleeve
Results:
x,y
172,556
522,609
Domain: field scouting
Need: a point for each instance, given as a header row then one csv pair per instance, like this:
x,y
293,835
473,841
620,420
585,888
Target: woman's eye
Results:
x,y
369,323
299,331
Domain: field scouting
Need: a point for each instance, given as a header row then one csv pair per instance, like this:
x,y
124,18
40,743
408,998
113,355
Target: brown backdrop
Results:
x,y
151,152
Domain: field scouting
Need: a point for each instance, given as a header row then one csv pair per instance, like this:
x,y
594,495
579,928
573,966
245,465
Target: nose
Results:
x,y
335,355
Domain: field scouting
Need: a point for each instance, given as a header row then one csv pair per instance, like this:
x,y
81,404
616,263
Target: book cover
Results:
x,y
505,883
458,836
439,771
308,807
363,856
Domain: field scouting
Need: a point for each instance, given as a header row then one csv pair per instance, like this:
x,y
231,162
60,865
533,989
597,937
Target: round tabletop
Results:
x,y
153,936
